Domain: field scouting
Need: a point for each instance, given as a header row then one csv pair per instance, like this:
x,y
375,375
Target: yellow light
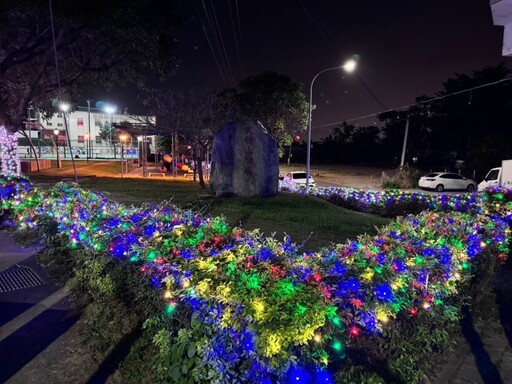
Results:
x,y
483,244
186,283
168,294
318,338
426,305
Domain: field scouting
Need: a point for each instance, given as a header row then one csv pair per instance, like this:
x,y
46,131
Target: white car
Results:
x,y
440,181
299,179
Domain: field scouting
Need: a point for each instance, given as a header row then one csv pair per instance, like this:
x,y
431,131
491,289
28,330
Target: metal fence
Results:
x,y
46,149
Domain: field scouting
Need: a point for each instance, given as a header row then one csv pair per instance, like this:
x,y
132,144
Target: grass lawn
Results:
x,y
303,218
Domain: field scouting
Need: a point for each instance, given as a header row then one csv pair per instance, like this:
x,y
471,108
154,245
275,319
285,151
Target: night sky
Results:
x,y
406,48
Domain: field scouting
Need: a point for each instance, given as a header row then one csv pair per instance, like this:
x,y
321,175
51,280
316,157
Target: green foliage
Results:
x,y
104,43
274,100
405,178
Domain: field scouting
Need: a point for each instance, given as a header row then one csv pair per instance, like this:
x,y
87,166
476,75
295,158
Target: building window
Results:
x,y
97,122
98,140
80,121
59,124
80,139
49,124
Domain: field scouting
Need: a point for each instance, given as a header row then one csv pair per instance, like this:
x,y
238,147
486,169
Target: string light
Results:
x,y
268,300
9,161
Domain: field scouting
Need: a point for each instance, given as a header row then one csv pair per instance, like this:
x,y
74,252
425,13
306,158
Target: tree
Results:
x,y
193,115
458,123
97,43
277,102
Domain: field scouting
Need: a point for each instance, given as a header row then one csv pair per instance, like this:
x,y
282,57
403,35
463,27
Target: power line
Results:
x,y
235,38
413,105
212,48
230,72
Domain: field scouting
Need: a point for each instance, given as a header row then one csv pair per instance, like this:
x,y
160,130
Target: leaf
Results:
x,y
176,373
191,350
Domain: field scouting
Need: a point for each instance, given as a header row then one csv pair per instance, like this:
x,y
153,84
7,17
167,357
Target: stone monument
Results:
x,y
245,161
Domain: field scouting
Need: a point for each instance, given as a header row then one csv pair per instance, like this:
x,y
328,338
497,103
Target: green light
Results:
x,y
465,265
338,346
252,281
419,260
301,310
171,308
231,268
336,321
152,255
286,289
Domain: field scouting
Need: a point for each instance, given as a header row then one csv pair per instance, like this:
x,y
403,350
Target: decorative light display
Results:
x,y
9,161
266,302
389,201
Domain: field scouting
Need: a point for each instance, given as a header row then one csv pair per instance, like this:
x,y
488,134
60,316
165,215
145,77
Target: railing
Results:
x,y
45,149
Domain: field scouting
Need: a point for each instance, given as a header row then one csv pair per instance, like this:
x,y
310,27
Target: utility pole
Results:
x,y
89,147
404,147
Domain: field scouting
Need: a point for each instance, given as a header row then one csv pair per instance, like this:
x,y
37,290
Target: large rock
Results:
x,y
245,161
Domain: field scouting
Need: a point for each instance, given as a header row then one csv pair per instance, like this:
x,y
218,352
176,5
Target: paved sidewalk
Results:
x,y
34,313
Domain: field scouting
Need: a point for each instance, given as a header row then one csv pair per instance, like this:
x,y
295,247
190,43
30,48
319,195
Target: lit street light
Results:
x,y
56,133
349,66
123,137
64,107
110,109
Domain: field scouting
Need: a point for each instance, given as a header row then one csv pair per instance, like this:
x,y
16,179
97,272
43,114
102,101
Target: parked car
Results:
x,y
299,178
440,181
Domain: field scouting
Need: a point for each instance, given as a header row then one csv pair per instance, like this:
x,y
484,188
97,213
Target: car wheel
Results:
x,y
440,188
471,188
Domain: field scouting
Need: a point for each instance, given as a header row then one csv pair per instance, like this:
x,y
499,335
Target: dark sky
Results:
x,y
406,48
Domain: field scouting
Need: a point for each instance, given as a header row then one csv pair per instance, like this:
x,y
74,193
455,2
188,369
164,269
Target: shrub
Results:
x,y
250,309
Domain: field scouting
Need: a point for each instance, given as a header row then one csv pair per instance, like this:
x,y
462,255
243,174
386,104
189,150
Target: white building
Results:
x,y
502,15
84,126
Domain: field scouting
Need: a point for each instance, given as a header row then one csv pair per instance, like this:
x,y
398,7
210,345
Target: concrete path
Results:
x,y
34,313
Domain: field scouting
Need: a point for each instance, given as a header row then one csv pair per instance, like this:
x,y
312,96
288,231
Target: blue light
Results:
x,y
298,375
384,292
323,377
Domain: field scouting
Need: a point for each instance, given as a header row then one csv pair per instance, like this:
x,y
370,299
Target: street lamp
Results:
x,y
349,66
87,145
122,137
56,133
64,107
110,109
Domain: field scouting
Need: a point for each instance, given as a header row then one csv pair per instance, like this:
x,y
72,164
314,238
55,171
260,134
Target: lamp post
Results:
x,y
110,109
56,133
89,142
122,138
349,66
64,107
87,146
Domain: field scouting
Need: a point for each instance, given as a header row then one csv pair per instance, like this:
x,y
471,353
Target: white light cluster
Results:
x,y
9,161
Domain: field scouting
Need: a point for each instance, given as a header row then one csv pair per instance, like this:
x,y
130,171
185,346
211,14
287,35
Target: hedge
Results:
x,y
240,307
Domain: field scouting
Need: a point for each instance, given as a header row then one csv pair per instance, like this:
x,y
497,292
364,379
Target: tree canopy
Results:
x,y
97,43
276,101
